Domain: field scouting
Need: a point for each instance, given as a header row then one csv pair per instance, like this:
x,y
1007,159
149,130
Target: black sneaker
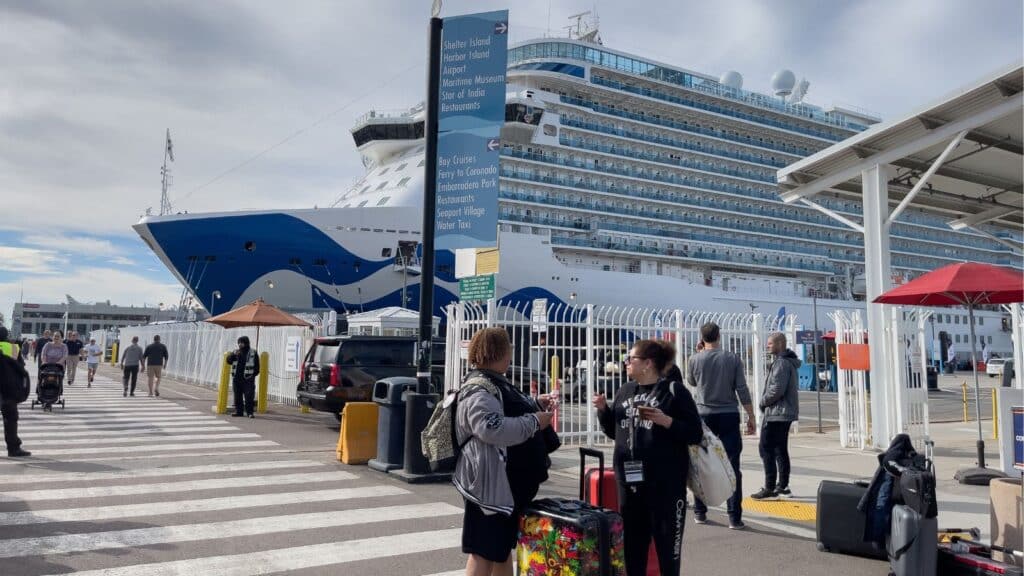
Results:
x,y
157,392
764,494
125,394
18,453
236,415
737,525
784,492
251,415
700,518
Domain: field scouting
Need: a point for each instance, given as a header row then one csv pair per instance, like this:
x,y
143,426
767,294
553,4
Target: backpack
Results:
x,y
917,490
14,381
438,441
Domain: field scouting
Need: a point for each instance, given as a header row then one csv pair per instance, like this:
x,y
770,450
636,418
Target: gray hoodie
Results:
x,y
780,400
480,471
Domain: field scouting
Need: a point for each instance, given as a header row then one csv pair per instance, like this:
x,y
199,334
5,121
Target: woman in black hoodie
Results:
x,y
653,422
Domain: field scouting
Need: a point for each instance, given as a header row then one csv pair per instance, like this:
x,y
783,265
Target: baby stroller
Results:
x,y
49,387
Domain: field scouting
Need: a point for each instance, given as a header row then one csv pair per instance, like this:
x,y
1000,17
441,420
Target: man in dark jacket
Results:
x,y
12,366
40,342
245,367
780,403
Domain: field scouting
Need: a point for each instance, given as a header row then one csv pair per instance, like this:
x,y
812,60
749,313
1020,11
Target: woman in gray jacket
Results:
x,y
503,459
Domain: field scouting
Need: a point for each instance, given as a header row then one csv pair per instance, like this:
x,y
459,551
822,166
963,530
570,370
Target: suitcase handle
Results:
x,y
584,452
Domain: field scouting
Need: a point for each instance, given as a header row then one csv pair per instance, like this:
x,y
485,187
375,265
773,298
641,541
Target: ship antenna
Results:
x,y
165,202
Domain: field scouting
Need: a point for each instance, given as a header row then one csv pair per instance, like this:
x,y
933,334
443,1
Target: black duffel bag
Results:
x,y
917,488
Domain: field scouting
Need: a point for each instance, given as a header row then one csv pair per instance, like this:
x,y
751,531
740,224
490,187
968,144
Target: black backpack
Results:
x,y
14,381
917,488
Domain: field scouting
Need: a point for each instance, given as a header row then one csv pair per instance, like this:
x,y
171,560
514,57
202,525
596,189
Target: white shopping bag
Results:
x,y
711,477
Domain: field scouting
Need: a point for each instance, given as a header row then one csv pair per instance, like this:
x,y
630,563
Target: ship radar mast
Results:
x,y
586,27
165,202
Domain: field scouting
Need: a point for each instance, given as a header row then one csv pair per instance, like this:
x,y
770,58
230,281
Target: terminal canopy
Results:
x,y
960,157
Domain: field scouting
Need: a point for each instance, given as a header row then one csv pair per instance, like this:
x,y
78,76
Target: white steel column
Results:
x,y
878,279
758,357
1017,335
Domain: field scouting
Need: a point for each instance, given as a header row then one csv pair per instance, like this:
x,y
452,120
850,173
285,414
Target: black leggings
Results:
x,y
774,449
131,373
659,516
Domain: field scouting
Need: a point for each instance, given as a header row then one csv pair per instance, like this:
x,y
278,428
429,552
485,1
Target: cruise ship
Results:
x,y
624,181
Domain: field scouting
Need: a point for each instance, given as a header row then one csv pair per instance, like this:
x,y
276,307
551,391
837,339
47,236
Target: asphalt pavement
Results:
x,y
141,485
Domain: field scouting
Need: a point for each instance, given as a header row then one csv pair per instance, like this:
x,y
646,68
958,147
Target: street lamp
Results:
x,y
213,300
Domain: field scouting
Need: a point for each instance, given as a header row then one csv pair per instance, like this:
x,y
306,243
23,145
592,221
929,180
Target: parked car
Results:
x,y
995,366
341,369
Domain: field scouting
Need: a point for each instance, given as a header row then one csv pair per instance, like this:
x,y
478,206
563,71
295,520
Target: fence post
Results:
x,y
222,389
261,386
492,309
757,357
591,374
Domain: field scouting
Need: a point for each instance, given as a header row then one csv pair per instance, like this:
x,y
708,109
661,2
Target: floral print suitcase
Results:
x,y
565,537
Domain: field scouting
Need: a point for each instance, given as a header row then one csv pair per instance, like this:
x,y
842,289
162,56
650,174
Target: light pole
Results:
x,y
817,385
931,345
214,296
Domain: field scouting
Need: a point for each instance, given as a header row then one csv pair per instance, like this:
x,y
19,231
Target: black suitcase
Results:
x,y
839,525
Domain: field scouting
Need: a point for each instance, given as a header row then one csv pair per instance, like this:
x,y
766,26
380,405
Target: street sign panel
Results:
x,y
539,314
1018,437
808,337
476,288
471,112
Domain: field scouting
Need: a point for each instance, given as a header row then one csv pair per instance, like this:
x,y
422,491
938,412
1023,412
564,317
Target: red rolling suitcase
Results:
x,y
598,487
966,558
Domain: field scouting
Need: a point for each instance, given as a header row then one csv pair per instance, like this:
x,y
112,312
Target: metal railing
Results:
x,y
577,351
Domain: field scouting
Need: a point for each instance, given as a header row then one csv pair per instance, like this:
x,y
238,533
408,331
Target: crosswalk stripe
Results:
x,y
136,439
131,427
157,447
171,487
150,431
30,463
35,477
65,420
67,543
452,573
162,404
152,413
286,559
93,514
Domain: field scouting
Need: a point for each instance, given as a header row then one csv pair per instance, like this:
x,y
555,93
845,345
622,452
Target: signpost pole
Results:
x,y
817,385
429,208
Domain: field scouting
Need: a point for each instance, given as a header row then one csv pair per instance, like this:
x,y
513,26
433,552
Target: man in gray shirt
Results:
x,y
720,387
130,361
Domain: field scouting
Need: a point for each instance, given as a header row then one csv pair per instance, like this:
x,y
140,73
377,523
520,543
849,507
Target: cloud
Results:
x,y
93,284
29,261
78,244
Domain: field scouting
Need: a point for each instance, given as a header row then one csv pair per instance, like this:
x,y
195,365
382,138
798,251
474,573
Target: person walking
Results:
x,y
780,404
504,456
40,344
93,355
155,358
12,367
74,355
653,422
720,388
246,367
55,352
131,358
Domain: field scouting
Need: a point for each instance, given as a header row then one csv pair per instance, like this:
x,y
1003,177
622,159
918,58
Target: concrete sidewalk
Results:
x,y
816,457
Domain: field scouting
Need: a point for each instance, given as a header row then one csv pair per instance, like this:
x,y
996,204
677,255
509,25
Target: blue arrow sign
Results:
x,y
474,56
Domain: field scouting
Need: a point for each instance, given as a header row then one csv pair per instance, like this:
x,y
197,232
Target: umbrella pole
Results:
x,y
977,387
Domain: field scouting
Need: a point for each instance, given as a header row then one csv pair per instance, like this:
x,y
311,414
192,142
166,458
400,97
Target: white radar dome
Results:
x,y
783,82
732,79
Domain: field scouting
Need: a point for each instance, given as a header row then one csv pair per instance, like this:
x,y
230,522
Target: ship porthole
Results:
x,y
250,246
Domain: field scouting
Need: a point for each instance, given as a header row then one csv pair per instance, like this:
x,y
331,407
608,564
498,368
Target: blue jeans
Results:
x,y
727,428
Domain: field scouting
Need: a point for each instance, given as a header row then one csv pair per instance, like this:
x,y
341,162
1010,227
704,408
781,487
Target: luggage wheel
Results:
x,y
822,547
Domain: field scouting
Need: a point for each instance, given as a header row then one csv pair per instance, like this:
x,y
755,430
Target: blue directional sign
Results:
x,y
474,56
1018,437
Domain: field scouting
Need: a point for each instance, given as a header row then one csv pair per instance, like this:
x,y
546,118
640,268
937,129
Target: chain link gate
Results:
x,y
578,351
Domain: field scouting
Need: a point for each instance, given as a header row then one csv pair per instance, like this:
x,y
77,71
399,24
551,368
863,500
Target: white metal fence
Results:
x,y
196,351
854,425
579,351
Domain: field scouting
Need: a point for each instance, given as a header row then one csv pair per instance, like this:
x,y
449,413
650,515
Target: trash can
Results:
x,y
389,394
933,378
1008,374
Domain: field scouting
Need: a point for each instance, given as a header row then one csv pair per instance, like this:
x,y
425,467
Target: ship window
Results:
x,y
385,253
382,185
384,171
363,203
364,189
383,201
250,246
421,163
404,181
401,167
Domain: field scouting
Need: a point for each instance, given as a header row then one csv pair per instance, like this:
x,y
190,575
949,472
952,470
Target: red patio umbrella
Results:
x,y
965,284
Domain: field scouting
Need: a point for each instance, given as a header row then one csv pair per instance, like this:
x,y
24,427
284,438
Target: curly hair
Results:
x,y
488,346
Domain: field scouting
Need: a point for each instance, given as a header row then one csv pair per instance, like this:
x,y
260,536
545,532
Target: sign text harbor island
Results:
x,y
474,57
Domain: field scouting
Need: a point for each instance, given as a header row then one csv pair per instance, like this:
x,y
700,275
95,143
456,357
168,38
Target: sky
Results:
x,y
259,96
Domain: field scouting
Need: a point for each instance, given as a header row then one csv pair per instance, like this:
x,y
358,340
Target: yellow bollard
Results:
x,y
261,384
222,388
304,409
963,390
113,354
995,414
